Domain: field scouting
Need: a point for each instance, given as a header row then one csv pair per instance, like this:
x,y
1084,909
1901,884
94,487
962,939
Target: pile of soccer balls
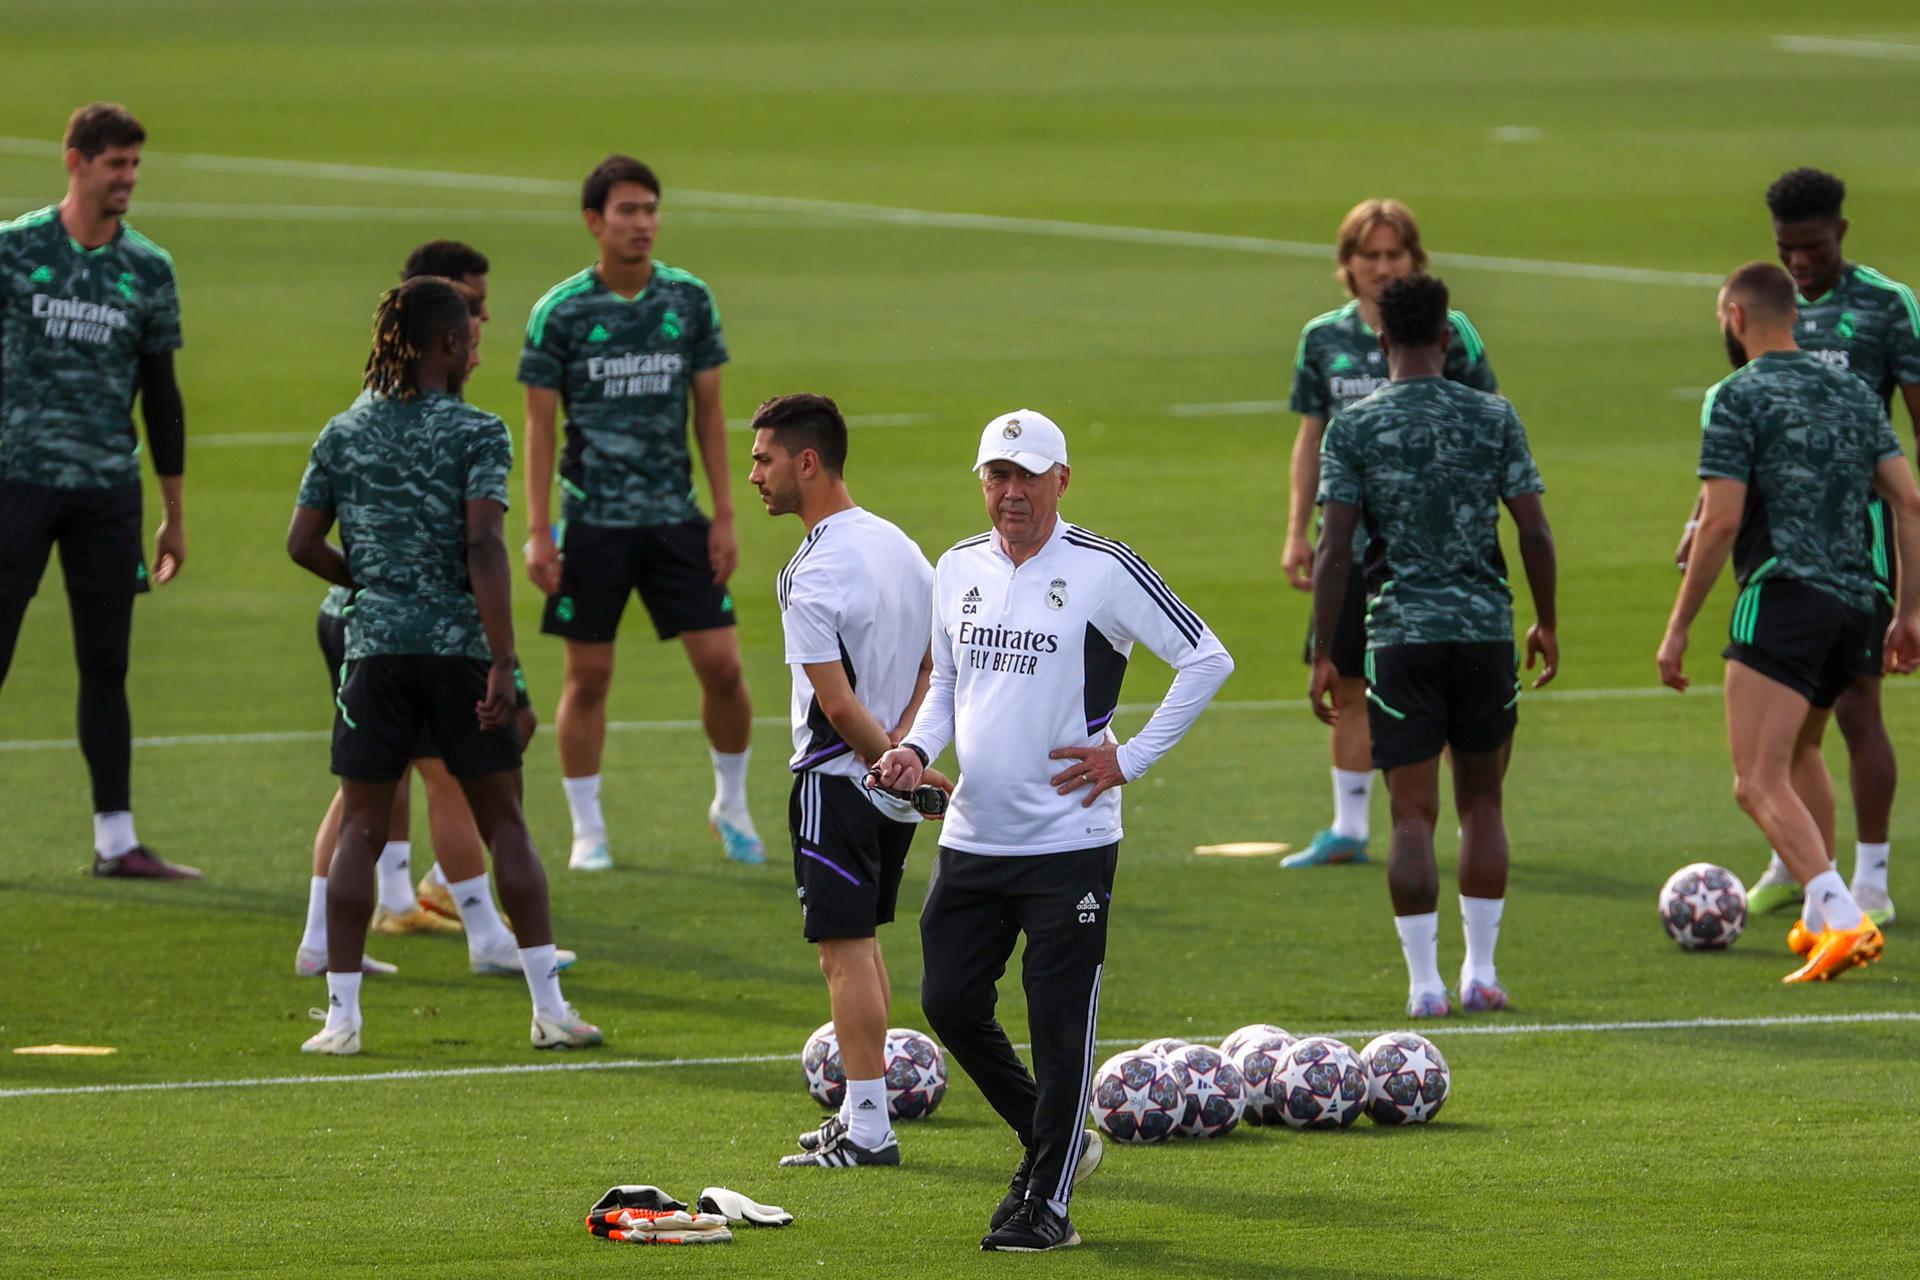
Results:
x,y
1263,1075
916,1071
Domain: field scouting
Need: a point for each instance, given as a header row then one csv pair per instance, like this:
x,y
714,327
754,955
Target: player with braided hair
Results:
x,y
418,481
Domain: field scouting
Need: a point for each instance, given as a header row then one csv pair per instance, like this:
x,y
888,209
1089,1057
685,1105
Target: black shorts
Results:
x,y
390,703
1805,638
847,857
1422,697
333,651
1349,650
98,532
666,563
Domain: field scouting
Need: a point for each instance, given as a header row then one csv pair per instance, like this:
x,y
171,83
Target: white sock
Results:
x,y
438,876
343,1001
1776,869
396,877
113,834
1482,919
1420,944
1869,867
1812,919
474,901
730,779
543,980
1352,795
1836,902
315,938
583,799
867,1122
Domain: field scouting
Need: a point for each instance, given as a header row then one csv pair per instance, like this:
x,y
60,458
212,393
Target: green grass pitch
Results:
x,y
1636,136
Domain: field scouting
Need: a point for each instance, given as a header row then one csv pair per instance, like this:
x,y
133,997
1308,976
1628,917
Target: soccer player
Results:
x,y
856,607
1790,448
89,321
437,905
1858,320
1339,362
1033,625
623,344
1423,466
418,481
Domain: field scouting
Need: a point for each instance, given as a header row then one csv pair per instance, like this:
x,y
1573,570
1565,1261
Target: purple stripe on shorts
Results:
x,y
823,755
821,857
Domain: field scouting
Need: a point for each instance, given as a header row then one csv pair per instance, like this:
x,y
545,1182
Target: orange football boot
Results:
x,y
1800,939
1837,950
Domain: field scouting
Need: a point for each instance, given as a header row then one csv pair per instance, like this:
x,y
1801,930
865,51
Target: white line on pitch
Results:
x,y
268,737
761,1059
889,215
1891,50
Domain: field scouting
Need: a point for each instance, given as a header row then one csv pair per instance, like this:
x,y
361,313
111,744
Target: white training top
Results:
x,y
1028,659
858,591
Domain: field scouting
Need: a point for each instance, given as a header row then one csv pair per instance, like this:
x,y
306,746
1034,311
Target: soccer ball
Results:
x,y
1215,1095
1138,1097
1257,1060
916,1074
820,1059
1703,906
1231,1046
1407,1079
1165,1046
1320,1085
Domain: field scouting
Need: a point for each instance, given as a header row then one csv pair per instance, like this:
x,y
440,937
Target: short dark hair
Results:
x,y
450,258
608,173
1763,287
1799,194
806,421
99,125
1413,311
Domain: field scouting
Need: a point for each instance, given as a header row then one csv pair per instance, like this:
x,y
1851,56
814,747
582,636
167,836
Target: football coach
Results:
x,y
1033,623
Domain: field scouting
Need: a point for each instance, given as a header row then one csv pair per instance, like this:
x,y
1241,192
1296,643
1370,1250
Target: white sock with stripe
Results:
x,y
396,877
1352,798
867,1122
1836,901
315,937
1869,867
1420,944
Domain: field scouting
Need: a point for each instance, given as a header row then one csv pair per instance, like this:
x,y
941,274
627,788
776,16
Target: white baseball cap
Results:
x,y
1029,440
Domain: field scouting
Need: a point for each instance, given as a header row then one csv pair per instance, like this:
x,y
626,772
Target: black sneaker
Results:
x,y
141,863
831,1129
1092,1150
844,1153
1033,1228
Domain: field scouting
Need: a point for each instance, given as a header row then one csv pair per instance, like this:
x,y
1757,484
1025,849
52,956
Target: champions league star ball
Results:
x,y
1320,1085
1214,1092
916,1074
820,1059
1704,907
1138,1097
1230,1047
1407,1079
1165,1046
1258,1062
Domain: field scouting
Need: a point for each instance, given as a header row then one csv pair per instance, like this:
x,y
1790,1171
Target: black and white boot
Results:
x,y
843,1153
1033,1228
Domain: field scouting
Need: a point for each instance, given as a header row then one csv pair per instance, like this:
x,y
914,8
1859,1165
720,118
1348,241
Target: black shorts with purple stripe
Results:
x,y
848,857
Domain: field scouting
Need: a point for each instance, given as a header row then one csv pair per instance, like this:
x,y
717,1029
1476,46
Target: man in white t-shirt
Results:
x,y
855,603
1033,624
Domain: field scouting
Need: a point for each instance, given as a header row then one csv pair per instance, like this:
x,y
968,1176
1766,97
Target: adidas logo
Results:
x,y
599,334
471,900
1357,791
333,1001
1089,909
867,1105
1826,897
41,275
970,602
973,593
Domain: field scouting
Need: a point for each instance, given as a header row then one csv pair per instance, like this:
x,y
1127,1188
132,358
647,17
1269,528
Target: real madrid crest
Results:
x,y
1057,594
1012,430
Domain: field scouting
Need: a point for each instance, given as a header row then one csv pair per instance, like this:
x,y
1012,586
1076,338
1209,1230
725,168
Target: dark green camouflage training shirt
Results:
x,y
74,323
1805,438
399,475
624,370
1427,461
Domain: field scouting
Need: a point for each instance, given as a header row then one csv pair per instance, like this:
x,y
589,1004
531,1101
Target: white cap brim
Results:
x,y
1032,463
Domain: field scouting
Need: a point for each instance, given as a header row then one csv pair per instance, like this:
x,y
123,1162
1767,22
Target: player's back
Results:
x,y
1805,436
860,591
401,473
1428,461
